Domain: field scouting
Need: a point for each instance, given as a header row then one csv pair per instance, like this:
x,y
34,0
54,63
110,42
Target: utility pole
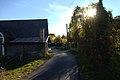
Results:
x,y
68,36
67,29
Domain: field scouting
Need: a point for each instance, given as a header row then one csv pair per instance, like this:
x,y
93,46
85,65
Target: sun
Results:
x,y
90,12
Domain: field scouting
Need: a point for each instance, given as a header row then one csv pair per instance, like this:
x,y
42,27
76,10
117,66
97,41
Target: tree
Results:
x,y
64,39
93,35
58,41
52,37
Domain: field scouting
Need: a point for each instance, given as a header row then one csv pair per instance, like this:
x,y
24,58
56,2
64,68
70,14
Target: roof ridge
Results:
x,y
24,20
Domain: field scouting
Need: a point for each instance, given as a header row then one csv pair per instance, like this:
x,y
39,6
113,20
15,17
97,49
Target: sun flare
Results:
x,y
91,12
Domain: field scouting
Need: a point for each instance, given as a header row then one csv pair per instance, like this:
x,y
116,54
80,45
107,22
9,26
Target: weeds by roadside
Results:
x,y
22,71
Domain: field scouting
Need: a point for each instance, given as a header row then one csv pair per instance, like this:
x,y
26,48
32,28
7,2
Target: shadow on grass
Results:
x,y
17,63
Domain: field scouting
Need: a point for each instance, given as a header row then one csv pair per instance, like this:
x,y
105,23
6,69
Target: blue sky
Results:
x,y
58,12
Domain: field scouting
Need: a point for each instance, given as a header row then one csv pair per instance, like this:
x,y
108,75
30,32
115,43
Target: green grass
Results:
x,y
22,71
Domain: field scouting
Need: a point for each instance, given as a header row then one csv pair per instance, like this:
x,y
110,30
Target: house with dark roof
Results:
x,y
117,22
23,37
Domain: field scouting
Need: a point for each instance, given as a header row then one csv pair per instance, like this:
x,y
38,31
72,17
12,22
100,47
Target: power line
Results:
x,y
69,5
72,3
62,12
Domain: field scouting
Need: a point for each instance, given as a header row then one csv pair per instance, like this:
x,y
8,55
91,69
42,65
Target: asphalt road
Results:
x,y
61,67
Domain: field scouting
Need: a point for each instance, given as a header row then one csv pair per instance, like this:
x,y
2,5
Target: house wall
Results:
x,y
13,29
25,50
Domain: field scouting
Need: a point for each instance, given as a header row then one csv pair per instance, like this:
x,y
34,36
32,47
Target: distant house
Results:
x,y
117,21
23,37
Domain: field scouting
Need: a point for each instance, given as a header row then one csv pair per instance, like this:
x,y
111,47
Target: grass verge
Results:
x,y
19,73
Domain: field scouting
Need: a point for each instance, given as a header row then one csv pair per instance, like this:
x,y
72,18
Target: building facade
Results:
x,y
24,37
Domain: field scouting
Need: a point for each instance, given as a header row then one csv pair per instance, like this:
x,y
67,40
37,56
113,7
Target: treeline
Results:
x,y
58,41
97,41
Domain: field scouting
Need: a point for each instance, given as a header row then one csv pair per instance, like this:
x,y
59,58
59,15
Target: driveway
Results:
x,y
62,66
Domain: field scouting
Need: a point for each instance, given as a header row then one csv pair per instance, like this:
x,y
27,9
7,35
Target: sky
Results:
x,y
58,12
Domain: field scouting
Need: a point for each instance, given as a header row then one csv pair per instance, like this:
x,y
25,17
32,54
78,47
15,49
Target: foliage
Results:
x,y
52,38
58,39
96,41
116,39
64,39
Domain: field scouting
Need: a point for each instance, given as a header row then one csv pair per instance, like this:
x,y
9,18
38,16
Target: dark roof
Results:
x,y
22,41
27,40
13,29
117,21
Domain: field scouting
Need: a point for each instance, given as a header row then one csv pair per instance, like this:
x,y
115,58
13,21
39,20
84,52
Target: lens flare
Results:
x,y
91,12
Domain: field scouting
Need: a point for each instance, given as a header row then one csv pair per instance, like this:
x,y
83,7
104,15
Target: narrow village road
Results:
x,y
61,67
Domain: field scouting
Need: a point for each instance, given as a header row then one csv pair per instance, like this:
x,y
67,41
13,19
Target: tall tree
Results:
x,y
94,37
